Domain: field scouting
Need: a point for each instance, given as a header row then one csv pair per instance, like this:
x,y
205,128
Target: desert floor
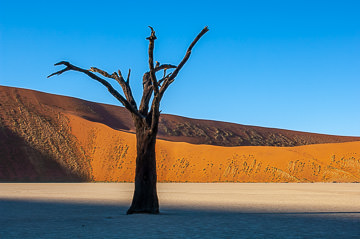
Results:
x,y
192,210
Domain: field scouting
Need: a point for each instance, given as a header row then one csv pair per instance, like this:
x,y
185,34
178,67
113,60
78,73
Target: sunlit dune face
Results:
x,y
112,155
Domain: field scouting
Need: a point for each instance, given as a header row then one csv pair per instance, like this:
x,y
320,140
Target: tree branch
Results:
x,y
126,88
182,63
124,85
128,77
147,92
164,67
114,92
152,39
104,73
164,78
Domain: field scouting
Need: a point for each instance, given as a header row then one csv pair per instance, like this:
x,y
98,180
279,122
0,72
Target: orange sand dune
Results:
x,y
112,156
46,137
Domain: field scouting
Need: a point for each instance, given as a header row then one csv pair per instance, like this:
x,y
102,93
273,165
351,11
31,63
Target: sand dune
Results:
x,y
112,157
46,137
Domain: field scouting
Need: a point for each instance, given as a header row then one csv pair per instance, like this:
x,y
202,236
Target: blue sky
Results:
x,y
281,64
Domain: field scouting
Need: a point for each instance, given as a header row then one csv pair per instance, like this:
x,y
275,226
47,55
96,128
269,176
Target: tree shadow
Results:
x,y
45,219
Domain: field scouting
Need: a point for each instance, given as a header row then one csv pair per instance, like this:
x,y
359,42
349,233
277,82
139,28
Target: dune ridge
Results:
x,y
171,127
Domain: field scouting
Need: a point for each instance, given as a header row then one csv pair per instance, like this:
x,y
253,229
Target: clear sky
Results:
x,y
282,64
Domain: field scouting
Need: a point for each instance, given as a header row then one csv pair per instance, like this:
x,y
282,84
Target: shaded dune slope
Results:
x,y
46,137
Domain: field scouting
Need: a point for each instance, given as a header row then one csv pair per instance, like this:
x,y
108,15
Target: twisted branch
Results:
x,y
124,84
130,106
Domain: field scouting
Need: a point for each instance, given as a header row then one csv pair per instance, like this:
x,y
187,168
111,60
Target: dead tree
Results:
x,y
145,118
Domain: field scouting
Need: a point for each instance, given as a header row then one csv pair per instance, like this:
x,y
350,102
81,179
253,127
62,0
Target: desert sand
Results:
x,y
192,210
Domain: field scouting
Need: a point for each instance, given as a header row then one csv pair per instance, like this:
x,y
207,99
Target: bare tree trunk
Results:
x,y
145,198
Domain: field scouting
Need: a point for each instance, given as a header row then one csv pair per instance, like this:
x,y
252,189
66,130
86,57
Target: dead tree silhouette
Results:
x,y
145,118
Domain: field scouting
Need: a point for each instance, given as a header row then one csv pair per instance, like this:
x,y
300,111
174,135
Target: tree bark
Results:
x,y
145,198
